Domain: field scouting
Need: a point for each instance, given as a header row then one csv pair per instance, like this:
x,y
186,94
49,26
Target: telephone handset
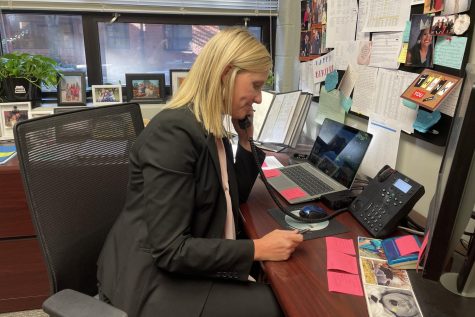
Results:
x,y
244,123
388,198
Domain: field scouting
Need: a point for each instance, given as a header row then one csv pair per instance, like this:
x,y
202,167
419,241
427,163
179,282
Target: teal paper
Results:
x,y
331,80
449,51
409,104
345,102
425,120
407,32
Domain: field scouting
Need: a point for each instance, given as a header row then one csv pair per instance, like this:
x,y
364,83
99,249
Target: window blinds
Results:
x,y
208,7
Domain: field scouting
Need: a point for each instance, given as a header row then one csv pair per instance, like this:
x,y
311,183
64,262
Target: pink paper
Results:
x,y
344,283
341,261
292,193
343,245
422,249
271,173
407,245
264,164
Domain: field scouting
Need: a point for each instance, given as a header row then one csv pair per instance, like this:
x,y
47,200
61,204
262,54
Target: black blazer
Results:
x,y
166,247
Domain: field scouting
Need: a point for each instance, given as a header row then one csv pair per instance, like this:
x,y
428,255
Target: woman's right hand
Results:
x,y
277,245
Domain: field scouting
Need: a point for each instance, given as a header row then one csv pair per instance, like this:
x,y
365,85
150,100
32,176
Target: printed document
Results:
x,y
387,15
341,21
385,50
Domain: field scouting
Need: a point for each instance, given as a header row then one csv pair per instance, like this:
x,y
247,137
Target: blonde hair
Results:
x,y
204,90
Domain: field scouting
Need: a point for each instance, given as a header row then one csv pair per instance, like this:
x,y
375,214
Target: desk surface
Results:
x,y
300,283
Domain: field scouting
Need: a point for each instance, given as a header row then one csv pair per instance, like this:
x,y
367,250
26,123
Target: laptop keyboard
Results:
x,y
308,182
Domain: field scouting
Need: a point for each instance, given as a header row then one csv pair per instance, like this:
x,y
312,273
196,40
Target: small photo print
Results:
x,y
443,25
145,88
388,302
315,41
71,89
421,42
305,43
11,114
377,272
371,248
431,6
106,94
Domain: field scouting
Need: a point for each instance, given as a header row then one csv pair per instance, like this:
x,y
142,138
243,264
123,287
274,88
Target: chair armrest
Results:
x,y
69,303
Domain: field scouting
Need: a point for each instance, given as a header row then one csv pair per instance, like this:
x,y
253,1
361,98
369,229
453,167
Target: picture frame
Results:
x,y
10,114
145,88
177,76
106,94
72,89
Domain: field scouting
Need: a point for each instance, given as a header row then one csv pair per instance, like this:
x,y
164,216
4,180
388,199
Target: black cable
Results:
x,y
276,201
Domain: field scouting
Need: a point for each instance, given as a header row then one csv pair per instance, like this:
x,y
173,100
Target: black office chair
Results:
x,y
74,167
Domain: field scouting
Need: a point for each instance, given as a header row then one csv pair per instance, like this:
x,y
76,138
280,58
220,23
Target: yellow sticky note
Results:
x,y
403,54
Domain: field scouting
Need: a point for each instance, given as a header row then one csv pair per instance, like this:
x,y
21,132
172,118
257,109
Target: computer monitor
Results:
x,y
453,202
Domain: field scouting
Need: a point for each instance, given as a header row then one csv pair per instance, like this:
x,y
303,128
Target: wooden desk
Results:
x,y
300,283
23,278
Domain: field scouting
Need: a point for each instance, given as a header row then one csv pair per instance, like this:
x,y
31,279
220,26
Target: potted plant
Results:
x,y
22,74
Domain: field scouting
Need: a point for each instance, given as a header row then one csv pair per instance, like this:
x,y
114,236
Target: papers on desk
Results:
x,y
382,283
7,152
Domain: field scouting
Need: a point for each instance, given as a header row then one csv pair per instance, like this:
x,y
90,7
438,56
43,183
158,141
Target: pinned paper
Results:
x,y
342,245
331,80
346,103
407,245
344,283
271,173
292,193
449,51
403,54
341,261
409,104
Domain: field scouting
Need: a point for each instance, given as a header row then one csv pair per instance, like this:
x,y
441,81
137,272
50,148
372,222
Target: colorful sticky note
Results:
x,y
422,249
409,104
346,103
449,51
292,193
331,80
342,245
344,283
341,261
407,245
271,173
264,164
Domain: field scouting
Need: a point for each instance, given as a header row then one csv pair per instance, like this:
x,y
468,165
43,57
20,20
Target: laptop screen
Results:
x,y
339,151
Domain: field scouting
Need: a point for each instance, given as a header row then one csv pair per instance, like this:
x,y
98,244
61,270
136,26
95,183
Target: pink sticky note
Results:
x,y
407,245
271,173
341,261
292,193
344,283
422,249
264,164
343,245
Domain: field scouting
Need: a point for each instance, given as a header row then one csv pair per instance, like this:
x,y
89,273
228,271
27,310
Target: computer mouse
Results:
x,y
312,212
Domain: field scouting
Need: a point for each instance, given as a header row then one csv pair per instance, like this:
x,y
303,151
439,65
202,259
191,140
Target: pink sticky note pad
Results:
x,y
264,164
271,173
407,245
343,245
341,261
344,283
422,249
292,193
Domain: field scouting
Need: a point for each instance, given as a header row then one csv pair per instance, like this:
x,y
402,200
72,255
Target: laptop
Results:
x,y
331,166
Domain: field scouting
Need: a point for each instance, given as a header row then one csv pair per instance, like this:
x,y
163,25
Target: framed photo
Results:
x,y
177,76
11,113
106,94
72,89
145,88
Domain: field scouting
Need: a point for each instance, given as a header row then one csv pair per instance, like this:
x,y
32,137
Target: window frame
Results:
x,y
90,22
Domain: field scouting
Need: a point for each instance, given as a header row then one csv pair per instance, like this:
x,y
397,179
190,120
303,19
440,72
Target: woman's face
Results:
x,y
247,90
426,38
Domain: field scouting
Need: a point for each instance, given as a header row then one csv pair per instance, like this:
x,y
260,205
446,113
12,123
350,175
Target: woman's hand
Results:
x,y
244,135
277,245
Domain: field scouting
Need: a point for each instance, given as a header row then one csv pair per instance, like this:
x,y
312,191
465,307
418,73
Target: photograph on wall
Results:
x,y
305,43
72,89
12,113
106,94
305,15
145,88
443,25
177,77
432,6
315,41
456,6
421,42
319,11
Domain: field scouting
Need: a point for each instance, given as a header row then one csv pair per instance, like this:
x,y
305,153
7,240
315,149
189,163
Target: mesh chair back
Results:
x,y
74,167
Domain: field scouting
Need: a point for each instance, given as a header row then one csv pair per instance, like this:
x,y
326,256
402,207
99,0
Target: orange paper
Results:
x,y
293,193
344,283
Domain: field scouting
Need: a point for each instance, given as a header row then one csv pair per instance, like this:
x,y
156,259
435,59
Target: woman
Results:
x,y
172,251
420,54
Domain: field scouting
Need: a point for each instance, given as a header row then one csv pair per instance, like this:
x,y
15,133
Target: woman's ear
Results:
x,y
226,72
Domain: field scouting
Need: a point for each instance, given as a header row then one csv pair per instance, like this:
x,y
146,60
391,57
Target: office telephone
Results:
x,y
385,201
